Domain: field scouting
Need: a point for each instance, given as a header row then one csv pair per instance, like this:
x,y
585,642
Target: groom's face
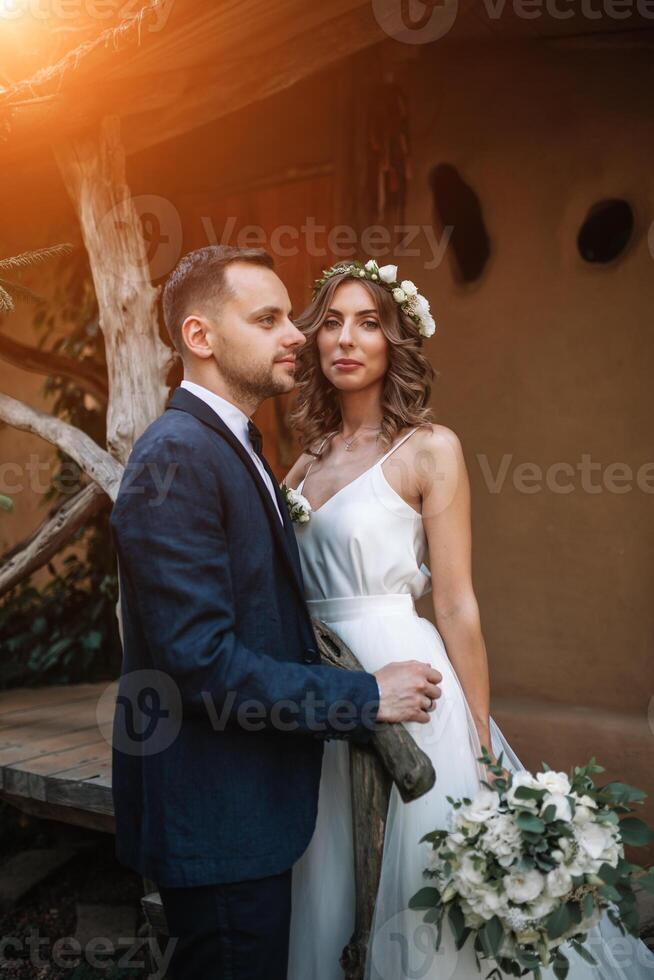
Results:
x,y
252,336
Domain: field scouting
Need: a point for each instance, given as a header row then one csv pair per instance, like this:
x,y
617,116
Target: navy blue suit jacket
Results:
x,y
223,704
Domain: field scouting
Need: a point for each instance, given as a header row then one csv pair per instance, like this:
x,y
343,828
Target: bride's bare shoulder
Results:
x,y
439,441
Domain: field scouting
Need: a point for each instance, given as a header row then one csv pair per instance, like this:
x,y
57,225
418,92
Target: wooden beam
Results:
x,y
158,107
76,816
93,169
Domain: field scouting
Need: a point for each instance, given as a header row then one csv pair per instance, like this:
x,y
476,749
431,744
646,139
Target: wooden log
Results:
x,y
53,535
371,786
90,377
409,767
95,461
392,757
93,169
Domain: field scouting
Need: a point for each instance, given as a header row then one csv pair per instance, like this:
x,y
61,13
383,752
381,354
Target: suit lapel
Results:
x,y
186,401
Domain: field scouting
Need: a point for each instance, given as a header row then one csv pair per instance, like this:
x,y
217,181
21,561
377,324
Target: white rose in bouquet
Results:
x,y
485,805
562,808
520,779
503,839
554,782
558,882
524,886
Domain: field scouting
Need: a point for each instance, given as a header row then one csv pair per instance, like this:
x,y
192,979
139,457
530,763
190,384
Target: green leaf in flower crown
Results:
x,y
426,898
6,503
635,832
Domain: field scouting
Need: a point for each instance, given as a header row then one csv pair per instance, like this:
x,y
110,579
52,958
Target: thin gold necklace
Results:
x,y
350,442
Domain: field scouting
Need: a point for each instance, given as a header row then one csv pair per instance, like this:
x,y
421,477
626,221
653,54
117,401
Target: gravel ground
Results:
x,y
48,911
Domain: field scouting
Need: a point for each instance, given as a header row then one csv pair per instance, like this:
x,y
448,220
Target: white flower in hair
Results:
x,y
421,305
412,303
388,273
428,327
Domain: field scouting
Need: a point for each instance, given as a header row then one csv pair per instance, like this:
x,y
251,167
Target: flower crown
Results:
x,y
404,293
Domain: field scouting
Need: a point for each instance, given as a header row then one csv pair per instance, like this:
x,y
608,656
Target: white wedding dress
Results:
x,y
363,554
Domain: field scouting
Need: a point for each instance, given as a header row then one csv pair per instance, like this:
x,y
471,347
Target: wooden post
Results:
x,y
93,170
393,756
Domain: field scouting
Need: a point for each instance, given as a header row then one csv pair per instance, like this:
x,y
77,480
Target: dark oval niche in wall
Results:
x,y
457,206
606,231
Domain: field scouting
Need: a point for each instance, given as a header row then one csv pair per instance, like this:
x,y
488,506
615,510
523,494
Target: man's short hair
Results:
x,y
198,283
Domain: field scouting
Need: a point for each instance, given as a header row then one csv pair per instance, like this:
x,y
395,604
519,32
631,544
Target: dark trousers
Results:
x,y
237,931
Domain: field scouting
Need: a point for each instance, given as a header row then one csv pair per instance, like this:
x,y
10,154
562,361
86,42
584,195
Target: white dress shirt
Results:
x,y
237,422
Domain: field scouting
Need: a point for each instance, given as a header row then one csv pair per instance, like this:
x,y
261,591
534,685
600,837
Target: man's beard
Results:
x,y
248,384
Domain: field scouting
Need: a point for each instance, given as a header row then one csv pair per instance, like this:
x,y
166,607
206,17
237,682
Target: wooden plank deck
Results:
x,y
55,752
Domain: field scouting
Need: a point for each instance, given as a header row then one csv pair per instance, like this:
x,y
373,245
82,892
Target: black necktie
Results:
x,y
255,437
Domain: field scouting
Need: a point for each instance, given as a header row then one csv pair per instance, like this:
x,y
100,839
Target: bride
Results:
x,y
390,522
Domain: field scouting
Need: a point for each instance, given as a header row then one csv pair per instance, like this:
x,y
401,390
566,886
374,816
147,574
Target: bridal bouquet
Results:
x,y
531,863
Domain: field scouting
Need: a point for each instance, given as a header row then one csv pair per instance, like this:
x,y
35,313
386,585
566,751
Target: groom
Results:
x,y
223,703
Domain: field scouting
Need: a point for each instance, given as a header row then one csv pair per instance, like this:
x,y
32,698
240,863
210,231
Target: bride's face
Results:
x,y
354,353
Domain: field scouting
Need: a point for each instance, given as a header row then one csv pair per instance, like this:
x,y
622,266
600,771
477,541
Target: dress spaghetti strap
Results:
x,y
397,445
320,449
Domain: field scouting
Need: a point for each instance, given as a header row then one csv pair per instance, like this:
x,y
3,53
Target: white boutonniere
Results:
x,y
299,508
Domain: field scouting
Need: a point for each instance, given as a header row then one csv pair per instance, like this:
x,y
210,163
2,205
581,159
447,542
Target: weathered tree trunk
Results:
x,y
393,757
93,170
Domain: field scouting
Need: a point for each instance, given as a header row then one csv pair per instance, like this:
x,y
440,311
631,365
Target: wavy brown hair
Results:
x,y
407,385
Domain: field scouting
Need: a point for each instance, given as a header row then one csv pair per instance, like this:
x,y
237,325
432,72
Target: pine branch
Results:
x,y
20,291
36,257
6,302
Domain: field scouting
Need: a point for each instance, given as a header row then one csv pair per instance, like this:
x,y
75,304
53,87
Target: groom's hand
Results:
x,y
408,690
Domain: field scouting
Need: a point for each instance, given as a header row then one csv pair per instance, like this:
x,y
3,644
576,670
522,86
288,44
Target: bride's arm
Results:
x,y
445,490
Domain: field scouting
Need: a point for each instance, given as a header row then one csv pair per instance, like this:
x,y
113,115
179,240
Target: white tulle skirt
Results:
x,y
381,629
